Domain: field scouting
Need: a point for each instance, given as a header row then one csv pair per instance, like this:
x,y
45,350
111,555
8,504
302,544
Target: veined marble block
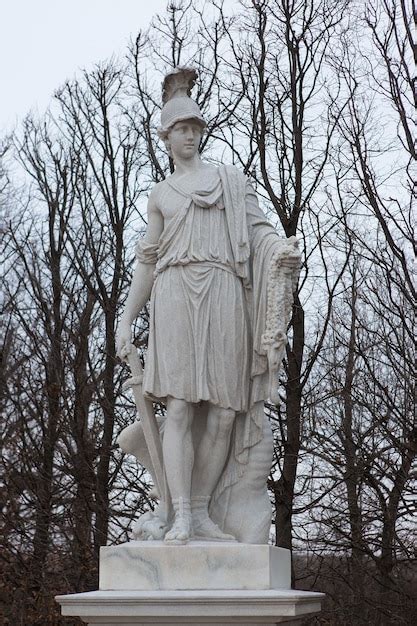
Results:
x,y
156,566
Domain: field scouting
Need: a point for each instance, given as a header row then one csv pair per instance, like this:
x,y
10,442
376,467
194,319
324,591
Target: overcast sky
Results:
x,y
44,42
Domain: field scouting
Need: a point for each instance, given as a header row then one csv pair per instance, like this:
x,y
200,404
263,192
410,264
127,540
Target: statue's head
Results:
x,y
179,111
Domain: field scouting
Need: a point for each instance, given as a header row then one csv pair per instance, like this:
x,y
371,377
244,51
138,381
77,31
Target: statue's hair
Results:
x,y
178,83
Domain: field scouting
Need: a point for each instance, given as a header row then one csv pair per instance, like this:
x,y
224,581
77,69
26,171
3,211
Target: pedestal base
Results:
x,y
201,583
197,608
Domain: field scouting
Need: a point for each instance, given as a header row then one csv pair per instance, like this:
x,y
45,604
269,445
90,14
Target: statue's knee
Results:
x,y
179,413
224,421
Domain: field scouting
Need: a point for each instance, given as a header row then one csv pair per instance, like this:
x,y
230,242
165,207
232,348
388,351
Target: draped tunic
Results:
x,y
199,335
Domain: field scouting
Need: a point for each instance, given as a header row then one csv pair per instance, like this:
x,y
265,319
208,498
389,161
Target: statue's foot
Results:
x,y
181,529
180,532
205,529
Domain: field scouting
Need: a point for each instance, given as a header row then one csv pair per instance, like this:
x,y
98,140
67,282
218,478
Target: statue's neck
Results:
x,y
187,166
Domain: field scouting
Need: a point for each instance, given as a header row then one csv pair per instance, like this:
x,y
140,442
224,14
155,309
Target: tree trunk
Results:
x,y
284,487
351,477
108,405
83,556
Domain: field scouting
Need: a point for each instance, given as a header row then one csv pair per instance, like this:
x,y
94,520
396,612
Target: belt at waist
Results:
x,y
214,264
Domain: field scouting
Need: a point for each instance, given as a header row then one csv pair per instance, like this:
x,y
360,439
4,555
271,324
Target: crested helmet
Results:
x,y
177,104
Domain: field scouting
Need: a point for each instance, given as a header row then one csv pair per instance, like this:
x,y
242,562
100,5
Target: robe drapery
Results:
x,y
208,306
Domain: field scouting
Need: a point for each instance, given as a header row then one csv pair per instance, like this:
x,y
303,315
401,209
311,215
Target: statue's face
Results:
x,y
184,139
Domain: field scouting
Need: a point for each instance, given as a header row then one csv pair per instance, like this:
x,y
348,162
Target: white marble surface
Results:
x,y
154,565
218,608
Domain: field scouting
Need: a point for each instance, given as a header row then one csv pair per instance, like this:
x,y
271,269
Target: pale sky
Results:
x,y
44,42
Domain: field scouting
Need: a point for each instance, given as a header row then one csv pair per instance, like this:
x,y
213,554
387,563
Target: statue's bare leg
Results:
x,y
209,463
178,460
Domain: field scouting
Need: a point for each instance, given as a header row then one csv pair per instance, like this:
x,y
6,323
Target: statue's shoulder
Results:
x,y
156,193
233,172
158,187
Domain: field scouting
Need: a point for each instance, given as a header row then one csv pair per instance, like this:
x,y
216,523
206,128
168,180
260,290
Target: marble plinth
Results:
x,y
217,608
201,583
153,566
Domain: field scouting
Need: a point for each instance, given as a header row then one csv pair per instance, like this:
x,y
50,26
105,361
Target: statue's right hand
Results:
x,y
123,340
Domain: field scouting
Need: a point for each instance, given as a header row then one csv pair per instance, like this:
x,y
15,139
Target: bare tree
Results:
x,y
363,430
35,303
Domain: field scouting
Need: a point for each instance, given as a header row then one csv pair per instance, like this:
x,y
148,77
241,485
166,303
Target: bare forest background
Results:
x,y
313,100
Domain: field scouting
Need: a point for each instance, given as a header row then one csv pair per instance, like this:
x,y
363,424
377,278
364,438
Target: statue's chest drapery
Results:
x,y
197,230
206,192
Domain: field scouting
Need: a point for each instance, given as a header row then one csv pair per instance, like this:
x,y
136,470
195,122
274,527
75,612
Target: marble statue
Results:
x,y
220,283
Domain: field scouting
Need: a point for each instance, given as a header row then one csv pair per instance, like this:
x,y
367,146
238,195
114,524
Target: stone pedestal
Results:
x,y
156,566
144,583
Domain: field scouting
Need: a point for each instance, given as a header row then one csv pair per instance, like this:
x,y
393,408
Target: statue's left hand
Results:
x,y
292,261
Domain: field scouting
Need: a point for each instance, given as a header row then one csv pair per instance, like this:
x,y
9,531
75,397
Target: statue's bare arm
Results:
x,y
142,280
